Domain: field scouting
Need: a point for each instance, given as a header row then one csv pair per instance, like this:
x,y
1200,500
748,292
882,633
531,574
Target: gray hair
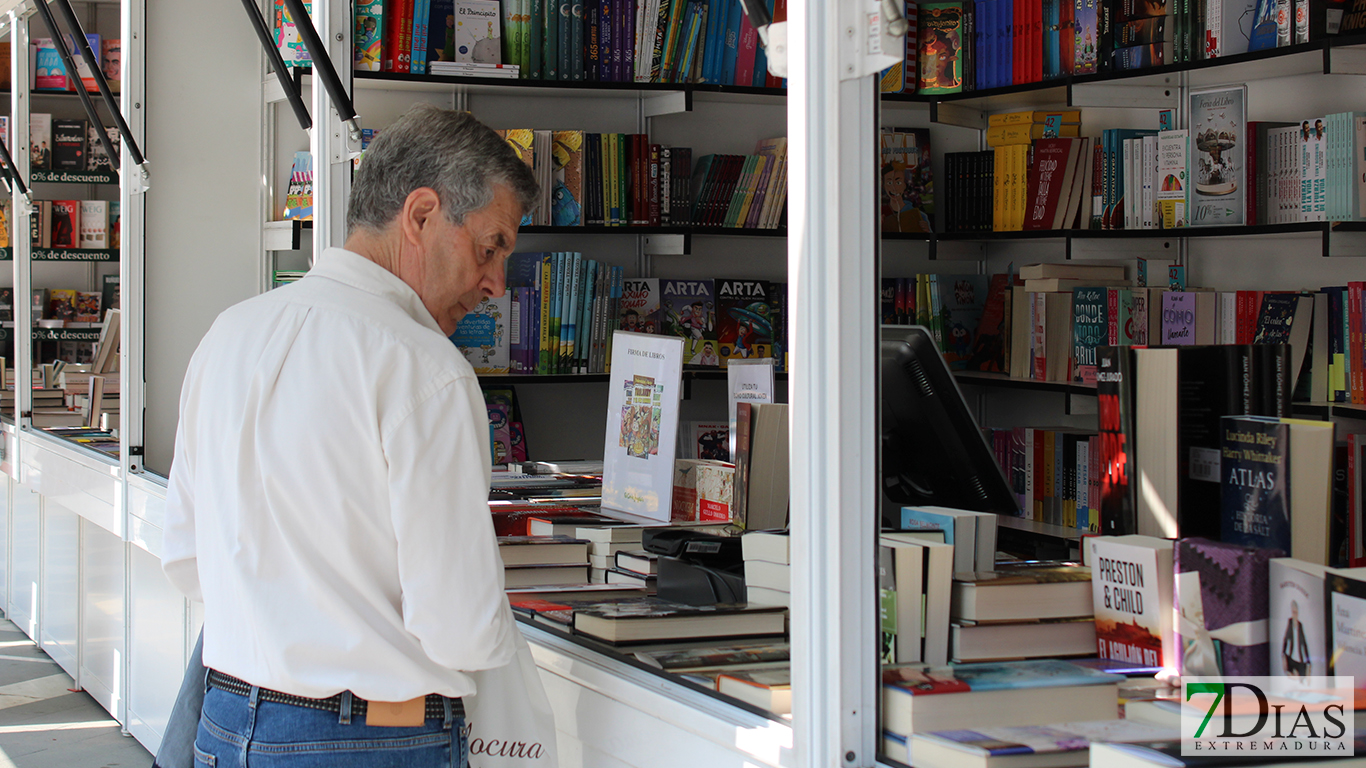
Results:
x,y
450,152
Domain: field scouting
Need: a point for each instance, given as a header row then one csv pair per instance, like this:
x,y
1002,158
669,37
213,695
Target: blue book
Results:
x,y
1005,40
1254,470
524,270
715,22
732,46
440,32
979,34
992,676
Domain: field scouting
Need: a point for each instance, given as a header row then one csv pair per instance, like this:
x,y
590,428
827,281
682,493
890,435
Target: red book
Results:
x,y
654,185
1067,40
403,35
1112,316
1017,47
1046,182
744,59
1036,47
1354,325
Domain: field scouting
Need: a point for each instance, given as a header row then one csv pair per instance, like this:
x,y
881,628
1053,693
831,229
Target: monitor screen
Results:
x,y
932,451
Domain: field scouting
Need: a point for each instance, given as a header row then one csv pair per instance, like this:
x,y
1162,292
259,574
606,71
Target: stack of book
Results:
x,y
1055,472
653,620
971,534
1057,744
1022,612
742,191
634,566
605,542
543,560
768,568
915,571
474,69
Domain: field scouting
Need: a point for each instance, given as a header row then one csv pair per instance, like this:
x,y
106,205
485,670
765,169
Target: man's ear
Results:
x,y
419,208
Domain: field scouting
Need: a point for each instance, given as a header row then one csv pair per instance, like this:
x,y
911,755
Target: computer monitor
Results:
x,y
932,451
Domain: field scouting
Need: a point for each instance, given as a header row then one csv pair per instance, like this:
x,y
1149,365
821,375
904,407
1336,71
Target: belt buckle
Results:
x,y
397,714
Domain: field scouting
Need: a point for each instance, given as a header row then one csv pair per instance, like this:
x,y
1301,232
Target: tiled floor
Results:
x,y
44,724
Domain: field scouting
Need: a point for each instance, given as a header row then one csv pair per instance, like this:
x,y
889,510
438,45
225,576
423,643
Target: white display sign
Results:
x,y
642,424
748,381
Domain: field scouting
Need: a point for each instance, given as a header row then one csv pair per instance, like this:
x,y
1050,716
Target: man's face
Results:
x,y
465,263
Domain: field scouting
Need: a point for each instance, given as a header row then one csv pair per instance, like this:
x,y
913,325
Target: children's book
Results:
x,y
482,335
87,307
744,326
688,310
477,31
566,202
640,305
368,35
940,47
907,192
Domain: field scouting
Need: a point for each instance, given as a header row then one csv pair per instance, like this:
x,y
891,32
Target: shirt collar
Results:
x,y
355,270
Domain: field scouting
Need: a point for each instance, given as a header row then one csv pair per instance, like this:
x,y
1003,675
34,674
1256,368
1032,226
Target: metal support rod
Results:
x,y
70,64
11,170
322,67
277,63
83,45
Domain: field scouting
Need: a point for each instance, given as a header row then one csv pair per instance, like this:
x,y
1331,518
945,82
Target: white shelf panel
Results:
x,y
64,474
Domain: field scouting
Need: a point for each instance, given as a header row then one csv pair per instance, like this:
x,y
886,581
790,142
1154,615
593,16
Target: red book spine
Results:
x,y
744,59
1036,41
1067,40
1112,316
403,53
654,185
1017,66
1354,318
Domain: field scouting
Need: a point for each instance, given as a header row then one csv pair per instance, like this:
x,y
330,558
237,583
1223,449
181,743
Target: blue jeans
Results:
x,y
242,732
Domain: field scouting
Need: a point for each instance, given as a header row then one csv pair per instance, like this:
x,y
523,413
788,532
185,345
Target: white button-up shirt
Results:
x,y
328,499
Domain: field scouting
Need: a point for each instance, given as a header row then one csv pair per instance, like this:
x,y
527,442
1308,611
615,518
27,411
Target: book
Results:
x,y
567,194
1255,458
68,144
1297,621
1048,638
906,189
544,575
743,327
921,698
766,546
688,310
1063,744
1172,183
87,307
769,689
1131,579
901,599
640,302
367,37
477,31
936,578
745,656
1219,585
971,534
482,335
939,28
1168,753
1023,593
40,141
1217,126
652,619
94,232
65,224
49,73
542,550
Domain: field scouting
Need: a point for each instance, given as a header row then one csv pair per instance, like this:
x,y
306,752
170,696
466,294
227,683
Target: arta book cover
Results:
x,y
640,305
1220,587
744,327
907,194
688,310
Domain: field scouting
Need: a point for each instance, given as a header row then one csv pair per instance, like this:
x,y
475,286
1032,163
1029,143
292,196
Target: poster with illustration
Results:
x,y
1217,125
642,424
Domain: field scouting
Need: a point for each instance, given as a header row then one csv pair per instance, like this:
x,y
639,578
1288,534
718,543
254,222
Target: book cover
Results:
x,y
961,300
1171,178
482,335
1090,326
109,292
1115,409
94,232
1347,625
61,305
640,302
566,206
1178,317
642,424
1014,742
68,145
1220,587
743,324
367,39
939,29
1131,579
87,307
1255,475
1217,118
1087,37
1275,318
1298,626
40,141
1045,182
96,158
66,222
907,195
990,345
688,310
48,71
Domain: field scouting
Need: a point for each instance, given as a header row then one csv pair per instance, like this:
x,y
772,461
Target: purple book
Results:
x,y
1178,317
1221,598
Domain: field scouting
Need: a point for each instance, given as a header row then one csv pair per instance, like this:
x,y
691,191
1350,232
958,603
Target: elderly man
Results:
x,y
328,497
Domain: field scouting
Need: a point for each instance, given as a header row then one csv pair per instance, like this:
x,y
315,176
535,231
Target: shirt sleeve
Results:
x,y
178,558
449,568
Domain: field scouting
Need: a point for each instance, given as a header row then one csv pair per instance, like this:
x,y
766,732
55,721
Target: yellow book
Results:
x,y
998,181
1005,135
1034,116
1022,203
543,363
760,162
615,195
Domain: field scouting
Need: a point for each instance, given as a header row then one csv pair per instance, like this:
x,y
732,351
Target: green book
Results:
x,y
550,39
535,40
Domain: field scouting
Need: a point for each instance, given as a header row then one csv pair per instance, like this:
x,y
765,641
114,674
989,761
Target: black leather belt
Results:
x,y
436,710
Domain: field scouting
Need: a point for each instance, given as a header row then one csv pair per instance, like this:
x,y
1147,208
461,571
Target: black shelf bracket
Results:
x,y
92,61
323,69
277,65
78,36
11,175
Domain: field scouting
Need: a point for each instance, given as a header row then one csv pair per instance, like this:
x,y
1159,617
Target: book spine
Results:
x,y
655,217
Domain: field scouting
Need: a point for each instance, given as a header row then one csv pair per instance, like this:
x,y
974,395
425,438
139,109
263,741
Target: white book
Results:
x,y
1228,317
1149,162
938,585
1319,145
1306,166
1172,179
477,31
94,224
642,424
1128,183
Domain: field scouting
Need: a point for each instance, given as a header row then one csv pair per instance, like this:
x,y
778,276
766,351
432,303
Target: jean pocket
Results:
x,y
202,758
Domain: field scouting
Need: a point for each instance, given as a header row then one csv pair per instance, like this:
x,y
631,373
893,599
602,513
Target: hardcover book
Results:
x,y
959,301
1090,324
66,222
1172,178
1041,742
930,680
68,145
1115,408
40,141
1131,580
940,47
640,305
1347,625
1178,318
688,310
368,35
1298,624
1217,130
482,335
744,326
1255,471
907,192
1221,588
655,619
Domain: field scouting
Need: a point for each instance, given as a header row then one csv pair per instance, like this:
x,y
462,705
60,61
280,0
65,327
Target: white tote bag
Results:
x,y
509,719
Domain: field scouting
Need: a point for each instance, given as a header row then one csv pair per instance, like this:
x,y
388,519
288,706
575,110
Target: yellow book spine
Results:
x,y
1010,118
